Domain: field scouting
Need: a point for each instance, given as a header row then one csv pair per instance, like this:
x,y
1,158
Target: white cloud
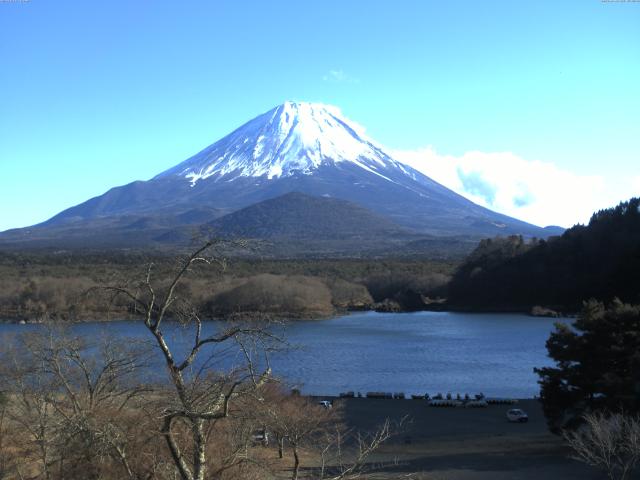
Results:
x,y
339,76
531,190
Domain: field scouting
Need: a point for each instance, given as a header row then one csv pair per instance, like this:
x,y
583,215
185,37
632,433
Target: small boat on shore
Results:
x,y
445,403
501,401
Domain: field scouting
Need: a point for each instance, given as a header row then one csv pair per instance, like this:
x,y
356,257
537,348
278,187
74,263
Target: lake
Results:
x,y
408,352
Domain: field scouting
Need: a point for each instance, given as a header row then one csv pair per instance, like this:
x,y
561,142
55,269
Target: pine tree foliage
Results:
x,y
597,365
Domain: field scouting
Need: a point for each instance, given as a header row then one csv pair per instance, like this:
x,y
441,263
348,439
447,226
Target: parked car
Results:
x,y
517,415
260,437
325,403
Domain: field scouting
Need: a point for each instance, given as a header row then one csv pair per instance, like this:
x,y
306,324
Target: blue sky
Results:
x,y
98,94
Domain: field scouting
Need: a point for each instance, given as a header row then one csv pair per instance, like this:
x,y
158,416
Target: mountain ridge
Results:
x,y
295,147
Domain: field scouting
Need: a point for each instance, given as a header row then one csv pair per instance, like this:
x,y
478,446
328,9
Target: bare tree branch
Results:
x,y
610,442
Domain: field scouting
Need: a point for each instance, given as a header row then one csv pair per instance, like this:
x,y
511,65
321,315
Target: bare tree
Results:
x,y
610,442
32,416
349,465
6,460
70,402
299,422
199,396
302,424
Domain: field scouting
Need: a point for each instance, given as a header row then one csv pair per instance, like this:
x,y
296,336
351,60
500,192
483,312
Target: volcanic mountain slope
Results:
x,y
294,224
295,147
295,215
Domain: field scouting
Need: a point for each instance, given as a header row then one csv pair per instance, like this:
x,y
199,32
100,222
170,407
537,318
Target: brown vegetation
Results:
x,y
79,408
291,296
53,286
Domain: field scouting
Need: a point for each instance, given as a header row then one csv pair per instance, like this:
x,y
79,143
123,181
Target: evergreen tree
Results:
x,y
597,365
600,260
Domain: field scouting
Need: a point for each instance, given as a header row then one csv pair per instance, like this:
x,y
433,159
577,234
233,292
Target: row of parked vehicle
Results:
x,y
477,401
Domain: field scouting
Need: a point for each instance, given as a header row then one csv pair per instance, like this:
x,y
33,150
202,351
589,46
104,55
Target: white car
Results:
x,y
260,437
325,403
517,415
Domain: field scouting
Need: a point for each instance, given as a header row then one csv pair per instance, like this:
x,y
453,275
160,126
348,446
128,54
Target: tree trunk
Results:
x,y
176,454
296,462
199,454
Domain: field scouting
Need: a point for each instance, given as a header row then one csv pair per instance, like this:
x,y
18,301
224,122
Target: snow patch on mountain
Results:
x,y
296,137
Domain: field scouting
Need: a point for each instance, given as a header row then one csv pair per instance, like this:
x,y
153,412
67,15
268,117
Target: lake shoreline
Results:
x,y
533,311
283,317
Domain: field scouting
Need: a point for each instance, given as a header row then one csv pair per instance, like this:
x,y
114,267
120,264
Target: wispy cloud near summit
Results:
x,y
339,76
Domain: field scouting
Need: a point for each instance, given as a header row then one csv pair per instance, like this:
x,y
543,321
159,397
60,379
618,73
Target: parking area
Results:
x,y
465,443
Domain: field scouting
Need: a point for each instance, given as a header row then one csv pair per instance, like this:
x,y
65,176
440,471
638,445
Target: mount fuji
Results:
x,y
303,148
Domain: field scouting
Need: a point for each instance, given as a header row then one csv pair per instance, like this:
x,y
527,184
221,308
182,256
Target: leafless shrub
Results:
x,y
298,421
70,403
300,425
295,295
610,442
348,295
352,463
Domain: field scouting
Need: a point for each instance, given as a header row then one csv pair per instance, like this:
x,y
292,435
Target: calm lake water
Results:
x,y
409,352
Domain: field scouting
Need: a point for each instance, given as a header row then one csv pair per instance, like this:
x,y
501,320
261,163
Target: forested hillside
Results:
x,y
600,260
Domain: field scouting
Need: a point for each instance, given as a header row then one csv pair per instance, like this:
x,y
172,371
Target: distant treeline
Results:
x,y
62,285
600,260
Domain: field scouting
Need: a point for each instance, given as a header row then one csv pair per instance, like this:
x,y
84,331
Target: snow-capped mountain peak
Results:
x,y
297,150
295,137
